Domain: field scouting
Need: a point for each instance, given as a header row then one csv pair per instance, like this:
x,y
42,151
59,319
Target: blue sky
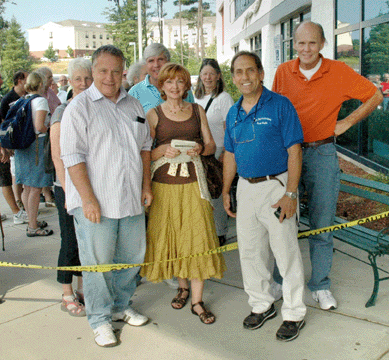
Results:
x,y
35,13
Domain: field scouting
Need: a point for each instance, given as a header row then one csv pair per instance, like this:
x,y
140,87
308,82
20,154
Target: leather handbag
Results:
x,y
212,167
214,173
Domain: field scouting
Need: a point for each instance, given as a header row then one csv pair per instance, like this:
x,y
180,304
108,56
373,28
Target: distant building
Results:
x,y
84,37
171,32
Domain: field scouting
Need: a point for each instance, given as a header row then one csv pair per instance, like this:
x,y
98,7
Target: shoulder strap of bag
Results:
x,y
208,104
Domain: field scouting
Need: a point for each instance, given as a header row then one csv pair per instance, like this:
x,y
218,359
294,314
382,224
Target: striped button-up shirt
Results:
x,y
108,137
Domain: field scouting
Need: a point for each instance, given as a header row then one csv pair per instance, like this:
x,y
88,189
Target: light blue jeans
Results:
x,y
113,241
320,178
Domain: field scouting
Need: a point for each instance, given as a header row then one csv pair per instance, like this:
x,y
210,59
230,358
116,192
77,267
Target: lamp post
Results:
x,y
133,44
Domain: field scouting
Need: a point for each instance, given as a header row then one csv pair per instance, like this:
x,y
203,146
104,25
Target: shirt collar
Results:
x,y
325,66
265,97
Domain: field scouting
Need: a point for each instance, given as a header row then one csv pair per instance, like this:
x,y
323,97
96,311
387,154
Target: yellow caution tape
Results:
x,y
218,250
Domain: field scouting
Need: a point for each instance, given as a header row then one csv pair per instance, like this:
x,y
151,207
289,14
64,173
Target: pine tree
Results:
x,y
123,27
15,53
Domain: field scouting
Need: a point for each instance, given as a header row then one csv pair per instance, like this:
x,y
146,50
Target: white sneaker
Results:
x,y
276,290
325,299
20,217
172,283
131,317
104,336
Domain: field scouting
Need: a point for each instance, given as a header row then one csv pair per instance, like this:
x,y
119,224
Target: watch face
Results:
x,y
292,195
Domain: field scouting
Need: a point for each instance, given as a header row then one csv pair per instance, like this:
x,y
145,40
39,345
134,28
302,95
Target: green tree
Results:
x,y
123,25
194,15
50,53
230,86
15,53
70,51
191,61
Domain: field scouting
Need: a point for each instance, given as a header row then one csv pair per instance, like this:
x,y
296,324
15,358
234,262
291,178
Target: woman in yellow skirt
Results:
x,y
181,216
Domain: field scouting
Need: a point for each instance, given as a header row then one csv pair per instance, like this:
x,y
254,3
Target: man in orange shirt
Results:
x,y
317,87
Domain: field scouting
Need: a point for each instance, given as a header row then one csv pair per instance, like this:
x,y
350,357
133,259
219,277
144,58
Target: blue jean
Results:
x,y
113,241
320,178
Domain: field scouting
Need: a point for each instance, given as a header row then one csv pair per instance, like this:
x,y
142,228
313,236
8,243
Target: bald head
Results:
x,y
311,27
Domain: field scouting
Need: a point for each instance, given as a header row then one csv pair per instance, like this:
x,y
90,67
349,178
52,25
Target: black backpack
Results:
x,y
17,130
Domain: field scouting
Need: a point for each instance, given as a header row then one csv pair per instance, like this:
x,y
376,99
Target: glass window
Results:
x,y
375,8
348,12
241,6
347,50
287,29
375,66
256,44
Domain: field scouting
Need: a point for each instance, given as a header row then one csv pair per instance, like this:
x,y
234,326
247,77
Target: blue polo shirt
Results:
x,y
260,139
149,96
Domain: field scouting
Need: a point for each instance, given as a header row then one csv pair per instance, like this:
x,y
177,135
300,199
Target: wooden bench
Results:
x,y
373,242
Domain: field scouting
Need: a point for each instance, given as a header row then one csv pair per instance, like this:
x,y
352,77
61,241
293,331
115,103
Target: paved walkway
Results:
x,y
33,327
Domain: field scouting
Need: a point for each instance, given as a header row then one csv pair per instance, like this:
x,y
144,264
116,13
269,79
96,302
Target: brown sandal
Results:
x,y
179,299
205,315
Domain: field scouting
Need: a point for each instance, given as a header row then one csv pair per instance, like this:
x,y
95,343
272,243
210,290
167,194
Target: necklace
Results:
x,y
180,108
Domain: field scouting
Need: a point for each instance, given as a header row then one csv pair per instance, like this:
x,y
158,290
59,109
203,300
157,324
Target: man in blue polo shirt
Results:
x,y
156,55
262,143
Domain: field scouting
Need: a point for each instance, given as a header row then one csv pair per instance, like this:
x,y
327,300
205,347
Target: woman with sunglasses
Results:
x,y
211,96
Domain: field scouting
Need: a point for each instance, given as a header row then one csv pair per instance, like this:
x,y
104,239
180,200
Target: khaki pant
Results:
x,y
260,237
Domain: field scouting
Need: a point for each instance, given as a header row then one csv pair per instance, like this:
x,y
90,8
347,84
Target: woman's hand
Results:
x,y
171,152
196,150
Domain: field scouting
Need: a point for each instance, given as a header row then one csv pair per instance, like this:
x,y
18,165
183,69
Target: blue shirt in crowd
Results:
x,y
149,96
260,139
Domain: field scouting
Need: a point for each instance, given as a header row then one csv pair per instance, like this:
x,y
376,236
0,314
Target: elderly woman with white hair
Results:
x,y
80,78
136,73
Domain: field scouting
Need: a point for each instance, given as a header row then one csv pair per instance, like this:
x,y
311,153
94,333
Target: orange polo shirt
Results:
x,y
319,100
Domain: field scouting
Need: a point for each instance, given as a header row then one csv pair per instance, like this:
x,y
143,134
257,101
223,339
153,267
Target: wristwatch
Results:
x,y
292,195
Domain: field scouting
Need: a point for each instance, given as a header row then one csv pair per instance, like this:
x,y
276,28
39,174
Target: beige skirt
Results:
x,y
181,224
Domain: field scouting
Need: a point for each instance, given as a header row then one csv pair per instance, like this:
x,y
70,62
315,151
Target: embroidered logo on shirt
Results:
x,y
262,121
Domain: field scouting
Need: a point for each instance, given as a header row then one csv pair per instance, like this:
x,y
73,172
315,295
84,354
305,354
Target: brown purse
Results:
x,y
212,167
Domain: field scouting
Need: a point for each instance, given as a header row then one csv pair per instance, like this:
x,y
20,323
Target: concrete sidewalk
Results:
x,y
32,326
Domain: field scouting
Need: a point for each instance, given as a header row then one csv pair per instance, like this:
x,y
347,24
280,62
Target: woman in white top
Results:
x,y
211,96
29,165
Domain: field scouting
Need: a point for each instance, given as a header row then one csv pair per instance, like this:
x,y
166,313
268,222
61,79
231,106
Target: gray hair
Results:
x,y
79,64
134,71
108,49
156,49
45,72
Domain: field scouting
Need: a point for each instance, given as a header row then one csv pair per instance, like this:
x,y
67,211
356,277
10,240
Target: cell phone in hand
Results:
x,y
277,213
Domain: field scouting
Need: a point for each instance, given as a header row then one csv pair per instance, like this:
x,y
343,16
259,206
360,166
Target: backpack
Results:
x,y
17,130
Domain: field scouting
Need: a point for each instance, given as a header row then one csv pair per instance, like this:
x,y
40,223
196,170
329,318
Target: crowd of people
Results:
x,y
152,203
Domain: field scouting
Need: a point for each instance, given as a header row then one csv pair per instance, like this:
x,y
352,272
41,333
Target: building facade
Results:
x,y
83,37
171,32
357,32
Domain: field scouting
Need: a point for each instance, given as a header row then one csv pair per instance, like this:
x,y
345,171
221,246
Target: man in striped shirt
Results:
x,y
105,147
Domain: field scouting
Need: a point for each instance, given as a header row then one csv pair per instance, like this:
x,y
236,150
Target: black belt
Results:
x,y
329,140
257,180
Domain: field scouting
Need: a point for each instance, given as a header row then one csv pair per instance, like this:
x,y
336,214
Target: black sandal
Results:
x,y
179,299
205,315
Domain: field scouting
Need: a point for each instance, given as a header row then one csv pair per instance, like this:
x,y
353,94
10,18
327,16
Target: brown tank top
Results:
x,y
167,130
